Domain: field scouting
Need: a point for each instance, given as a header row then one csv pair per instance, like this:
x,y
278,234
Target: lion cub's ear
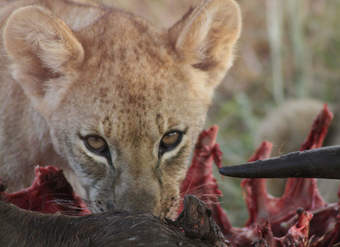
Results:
x,y
41,48
206,35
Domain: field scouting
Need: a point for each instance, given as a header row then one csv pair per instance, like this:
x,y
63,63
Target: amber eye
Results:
x,y
169,141
96,144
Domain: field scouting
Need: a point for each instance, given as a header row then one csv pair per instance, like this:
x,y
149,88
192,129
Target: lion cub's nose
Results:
x,y
141,201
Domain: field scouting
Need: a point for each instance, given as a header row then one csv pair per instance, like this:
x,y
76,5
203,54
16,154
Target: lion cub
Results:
x,y
102,94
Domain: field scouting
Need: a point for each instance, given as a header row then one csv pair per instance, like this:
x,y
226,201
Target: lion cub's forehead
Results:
x,y
132,107
125,55
132,76
122,42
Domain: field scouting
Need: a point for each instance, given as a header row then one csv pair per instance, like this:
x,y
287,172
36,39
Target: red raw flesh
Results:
x,y
319,130
49,193
299,218
200,180
257,199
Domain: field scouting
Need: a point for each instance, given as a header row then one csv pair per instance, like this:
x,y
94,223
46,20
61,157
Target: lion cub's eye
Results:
x,y
96,144
169,141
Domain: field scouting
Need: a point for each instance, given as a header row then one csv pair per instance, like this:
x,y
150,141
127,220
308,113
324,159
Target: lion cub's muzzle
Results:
x,y
140,200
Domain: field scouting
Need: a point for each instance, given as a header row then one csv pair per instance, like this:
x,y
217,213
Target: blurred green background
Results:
x,y
288,50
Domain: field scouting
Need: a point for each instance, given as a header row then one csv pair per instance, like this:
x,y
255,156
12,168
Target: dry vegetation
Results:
x,y
288,50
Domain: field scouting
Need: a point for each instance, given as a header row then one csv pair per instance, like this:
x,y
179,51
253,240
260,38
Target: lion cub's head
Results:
x,y
124,102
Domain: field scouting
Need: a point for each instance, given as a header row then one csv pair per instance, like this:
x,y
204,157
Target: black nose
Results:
x,y
316,163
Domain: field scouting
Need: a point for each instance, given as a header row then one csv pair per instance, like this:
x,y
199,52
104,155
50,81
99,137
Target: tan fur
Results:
x,y
70,69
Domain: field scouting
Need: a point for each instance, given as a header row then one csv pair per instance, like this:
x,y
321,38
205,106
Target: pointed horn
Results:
x,y
316,163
